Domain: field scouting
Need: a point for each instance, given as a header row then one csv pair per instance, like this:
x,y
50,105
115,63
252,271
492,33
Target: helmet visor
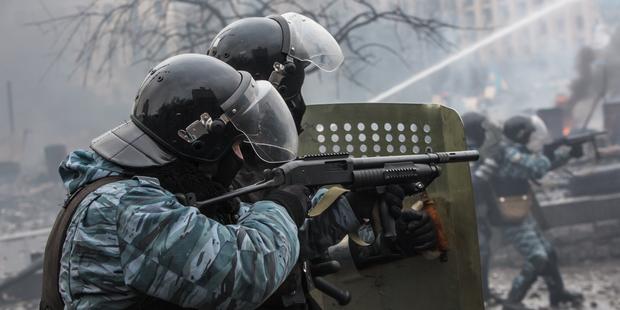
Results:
x,y
311,42
266,123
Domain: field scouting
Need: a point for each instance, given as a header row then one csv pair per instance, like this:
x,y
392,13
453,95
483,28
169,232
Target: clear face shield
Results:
x,y
310,42
258,111
266,123
540,136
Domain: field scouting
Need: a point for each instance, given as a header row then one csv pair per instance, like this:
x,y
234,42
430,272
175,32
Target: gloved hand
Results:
x,y
294,198
363,201
576,151
415,232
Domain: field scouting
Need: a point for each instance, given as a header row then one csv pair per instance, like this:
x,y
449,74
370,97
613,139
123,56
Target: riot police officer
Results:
x,y
127,237
521,160
277,48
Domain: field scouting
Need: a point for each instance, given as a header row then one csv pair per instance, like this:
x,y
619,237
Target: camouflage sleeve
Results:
x,y
174,253
561,156
534,165
331,226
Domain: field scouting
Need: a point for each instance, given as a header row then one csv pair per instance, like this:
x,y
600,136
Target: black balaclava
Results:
x,y
205,180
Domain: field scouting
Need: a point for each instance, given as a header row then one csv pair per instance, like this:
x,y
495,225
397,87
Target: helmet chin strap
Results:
x,y
295,101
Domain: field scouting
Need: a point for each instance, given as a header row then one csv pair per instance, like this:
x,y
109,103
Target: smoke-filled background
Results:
x,y
69,70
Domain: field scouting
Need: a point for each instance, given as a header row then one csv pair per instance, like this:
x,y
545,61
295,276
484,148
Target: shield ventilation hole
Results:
x,y
329,137
335,138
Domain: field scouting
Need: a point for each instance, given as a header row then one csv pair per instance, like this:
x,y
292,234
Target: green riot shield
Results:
x,y
396,129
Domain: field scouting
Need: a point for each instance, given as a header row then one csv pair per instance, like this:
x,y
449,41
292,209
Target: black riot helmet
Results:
x,y
278,48
474,126
194,107
519,129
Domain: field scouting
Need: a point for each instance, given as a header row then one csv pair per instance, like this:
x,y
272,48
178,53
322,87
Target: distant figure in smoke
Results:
x,y
520,160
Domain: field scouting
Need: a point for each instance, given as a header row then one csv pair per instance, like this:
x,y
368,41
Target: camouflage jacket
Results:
x,y
517,165
518,162
132,238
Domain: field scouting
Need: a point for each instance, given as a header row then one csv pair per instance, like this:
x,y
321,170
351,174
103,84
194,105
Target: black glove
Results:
x,y
415,232
410,189
294,198
363,201
393,197
576,151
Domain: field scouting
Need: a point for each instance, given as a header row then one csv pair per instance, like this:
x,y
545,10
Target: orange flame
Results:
x,y
566,131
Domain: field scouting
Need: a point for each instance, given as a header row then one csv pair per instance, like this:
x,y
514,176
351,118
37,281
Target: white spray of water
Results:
x,y
493,37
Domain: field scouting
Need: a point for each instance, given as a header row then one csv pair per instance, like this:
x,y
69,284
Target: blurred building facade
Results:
x,y
566,29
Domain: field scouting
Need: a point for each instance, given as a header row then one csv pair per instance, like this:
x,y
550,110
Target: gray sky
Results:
x,y
53,107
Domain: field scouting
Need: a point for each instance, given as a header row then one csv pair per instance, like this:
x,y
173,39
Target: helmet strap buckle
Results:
x,y
204,126
277,74
282,70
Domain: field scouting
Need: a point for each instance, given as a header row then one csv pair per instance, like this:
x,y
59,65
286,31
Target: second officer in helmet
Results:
x,y
279,48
